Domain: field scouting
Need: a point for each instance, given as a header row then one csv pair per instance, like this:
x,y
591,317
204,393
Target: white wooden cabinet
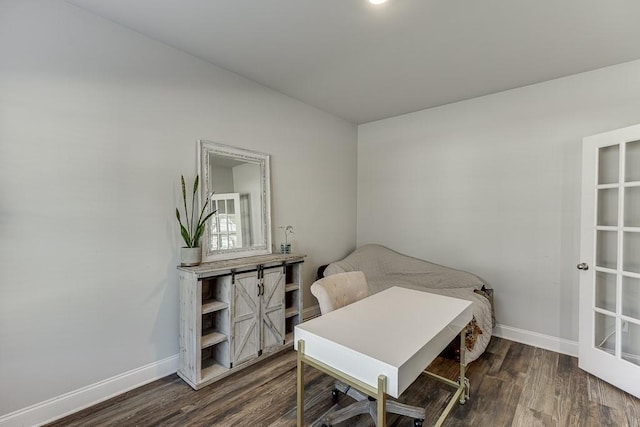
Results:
x,y
234,312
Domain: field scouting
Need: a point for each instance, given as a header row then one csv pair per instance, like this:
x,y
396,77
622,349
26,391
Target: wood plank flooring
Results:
x,y
512,384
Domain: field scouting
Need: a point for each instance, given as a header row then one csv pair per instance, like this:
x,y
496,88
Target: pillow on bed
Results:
x,y
333,268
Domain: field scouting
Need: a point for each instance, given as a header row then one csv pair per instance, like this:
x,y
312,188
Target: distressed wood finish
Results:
x,y
207,269
245,312
272,310
188,361
232,312
511,385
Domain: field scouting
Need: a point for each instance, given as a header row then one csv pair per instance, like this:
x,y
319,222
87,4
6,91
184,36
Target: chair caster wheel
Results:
x,y
417,422
335,395
325,425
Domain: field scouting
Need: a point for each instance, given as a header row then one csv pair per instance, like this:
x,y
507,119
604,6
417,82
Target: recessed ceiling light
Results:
x,y
377,1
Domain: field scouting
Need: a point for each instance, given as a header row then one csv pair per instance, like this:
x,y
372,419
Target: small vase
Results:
x,y
190,257
285,248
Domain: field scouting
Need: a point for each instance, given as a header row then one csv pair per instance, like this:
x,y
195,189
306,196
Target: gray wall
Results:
x,y
245,178
96,125
222,180
492,185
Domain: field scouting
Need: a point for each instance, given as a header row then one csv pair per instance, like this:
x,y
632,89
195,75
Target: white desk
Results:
x,y
382,343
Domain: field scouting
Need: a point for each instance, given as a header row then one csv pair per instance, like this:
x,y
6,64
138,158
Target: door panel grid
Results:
x,y
610,241
617,251
225,227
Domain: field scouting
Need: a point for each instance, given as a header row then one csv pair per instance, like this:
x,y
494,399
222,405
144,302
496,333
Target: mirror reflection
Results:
x,y
236,182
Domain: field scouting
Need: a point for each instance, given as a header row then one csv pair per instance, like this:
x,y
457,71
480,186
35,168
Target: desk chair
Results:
x,y
336,291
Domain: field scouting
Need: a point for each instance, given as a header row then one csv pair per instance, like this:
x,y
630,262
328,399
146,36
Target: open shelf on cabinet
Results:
x,y
293,301
210,338
212,369
291,287
290,323
290,312
214,326
288,338
213,305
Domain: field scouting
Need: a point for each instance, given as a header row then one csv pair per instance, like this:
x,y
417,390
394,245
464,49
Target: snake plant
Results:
x,y
192,231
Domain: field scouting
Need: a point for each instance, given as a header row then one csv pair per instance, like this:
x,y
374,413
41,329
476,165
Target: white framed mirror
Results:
x,y
237,184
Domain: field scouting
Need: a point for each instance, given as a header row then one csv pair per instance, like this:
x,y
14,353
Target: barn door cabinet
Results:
x,y
233,313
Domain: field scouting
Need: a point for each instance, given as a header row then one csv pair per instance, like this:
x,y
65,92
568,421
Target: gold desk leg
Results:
x,y
379,393
463,379
460,393
300,384
382,397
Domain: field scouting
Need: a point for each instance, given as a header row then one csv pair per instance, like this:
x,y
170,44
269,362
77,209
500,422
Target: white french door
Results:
x,y
225,227
609,305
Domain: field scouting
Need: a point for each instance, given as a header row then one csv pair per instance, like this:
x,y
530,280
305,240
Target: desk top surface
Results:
x,y
384,333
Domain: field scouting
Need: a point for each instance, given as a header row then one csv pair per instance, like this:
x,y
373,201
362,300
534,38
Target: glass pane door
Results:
x,y
226,225
609,297
616,308
630,280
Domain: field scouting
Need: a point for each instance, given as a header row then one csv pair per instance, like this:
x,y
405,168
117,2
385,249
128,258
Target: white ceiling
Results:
x,y
363,62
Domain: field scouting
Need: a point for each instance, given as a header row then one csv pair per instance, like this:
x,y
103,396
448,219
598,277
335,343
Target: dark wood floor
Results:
x,y
511,385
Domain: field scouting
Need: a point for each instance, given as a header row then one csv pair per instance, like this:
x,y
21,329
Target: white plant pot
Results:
x,y
190,257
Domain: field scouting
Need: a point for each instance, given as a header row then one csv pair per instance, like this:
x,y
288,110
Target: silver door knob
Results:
x,y
583,266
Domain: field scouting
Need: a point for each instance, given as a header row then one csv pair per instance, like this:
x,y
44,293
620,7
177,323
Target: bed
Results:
x,y
385,268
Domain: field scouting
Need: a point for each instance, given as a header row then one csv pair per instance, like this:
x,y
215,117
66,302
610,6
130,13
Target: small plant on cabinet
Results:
x,y
285,248
192,230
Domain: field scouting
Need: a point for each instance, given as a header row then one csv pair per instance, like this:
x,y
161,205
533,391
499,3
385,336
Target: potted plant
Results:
x,y
285,248
191,253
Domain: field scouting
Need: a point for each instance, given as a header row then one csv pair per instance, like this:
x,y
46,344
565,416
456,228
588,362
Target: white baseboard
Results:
x,y
548,342
74,401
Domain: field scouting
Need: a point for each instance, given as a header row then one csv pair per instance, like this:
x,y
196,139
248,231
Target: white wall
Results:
x,y
492,185
96,125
